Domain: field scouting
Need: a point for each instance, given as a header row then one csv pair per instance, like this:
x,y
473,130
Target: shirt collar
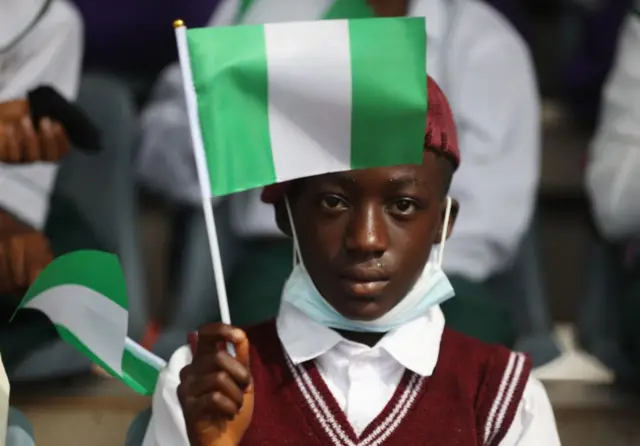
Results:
x,y
415,345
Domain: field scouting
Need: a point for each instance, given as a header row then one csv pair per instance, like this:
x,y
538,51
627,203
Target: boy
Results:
x,y
477,58
358,354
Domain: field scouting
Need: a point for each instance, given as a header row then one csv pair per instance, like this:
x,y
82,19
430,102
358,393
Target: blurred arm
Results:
x,y
613,170
51,54
497,112
166,163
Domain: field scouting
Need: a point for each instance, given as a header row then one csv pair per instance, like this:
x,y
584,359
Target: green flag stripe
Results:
x,y
349,9
99,271
139,372
141,377
383,135
235,100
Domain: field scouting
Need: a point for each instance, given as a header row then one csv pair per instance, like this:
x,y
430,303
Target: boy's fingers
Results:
x,y
61,141
215,403
217,382
47,139
210,335
12,147
242,351
13,110
234,367
30,140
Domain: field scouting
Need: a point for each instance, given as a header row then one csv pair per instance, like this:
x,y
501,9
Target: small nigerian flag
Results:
x,y
84,295
290,100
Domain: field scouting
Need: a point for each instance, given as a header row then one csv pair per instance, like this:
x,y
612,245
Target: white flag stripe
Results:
x,y
309,63
99,323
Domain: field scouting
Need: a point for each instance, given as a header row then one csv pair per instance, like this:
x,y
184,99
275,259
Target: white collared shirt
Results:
x,y
361,379
484,69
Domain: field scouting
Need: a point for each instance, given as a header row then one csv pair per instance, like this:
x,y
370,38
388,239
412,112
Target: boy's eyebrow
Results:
x,y
341,179
408,180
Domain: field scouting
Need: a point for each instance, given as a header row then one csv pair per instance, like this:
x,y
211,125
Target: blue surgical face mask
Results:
x,y
431,289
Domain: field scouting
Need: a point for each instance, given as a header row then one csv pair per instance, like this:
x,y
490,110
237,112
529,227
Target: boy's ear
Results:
x,y
453,215
282,218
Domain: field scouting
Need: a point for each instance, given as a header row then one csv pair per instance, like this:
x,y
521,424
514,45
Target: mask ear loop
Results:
x,y
297,258
445,230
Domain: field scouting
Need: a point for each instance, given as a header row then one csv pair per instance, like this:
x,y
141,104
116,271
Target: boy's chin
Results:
x,y
359,308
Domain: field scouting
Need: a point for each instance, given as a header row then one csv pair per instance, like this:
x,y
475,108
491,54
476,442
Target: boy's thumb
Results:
x,y
242,351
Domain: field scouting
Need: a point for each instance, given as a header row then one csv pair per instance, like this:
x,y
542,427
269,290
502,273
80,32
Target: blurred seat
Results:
x,y
19,429
138,428
94,207
600,322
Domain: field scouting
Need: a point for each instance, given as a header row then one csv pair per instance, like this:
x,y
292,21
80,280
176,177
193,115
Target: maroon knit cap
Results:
x,y
440,137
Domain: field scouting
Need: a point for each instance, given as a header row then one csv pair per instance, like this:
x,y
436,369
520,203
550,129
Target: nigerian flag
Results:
x,y
84,295
281,101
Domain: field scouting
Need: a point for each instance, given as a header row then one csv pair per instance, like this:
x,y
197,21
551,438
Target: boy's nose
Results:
x,y
367,231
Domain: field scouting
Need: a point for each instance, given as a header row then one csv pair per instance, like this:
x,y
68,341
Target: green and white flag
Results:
x,y
282,101
84,295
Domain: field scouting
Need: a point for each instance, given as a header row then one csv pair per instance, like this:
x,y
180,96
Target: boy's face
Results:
x,y
365,236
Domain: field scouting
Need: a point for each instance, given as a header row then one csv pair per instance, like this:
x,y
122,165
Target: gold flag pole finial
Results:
x,y
178,24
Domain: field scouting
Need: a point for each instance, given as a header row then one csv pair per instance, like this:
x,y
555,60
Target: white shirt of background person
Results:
x,y
49,54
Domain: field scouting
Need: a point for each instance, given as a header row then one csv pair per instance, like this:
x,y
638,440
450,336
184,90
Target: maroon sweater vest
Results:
x,y
470,400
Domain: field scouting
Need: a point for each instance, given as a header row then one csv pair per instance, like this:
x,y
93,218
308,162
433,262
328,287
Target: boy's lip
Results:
x,y
364,289
363,275
365,283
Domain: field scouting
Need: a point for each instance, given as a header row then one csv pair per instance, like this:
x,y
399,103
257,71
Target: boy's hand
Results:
x,y
384,8
216,392
22,257
14,110
20,142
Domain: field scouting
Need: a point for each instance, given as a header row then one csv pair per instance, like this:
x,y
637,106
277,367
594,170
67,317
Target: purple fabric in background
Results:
x,y
136,36
591,59
514,11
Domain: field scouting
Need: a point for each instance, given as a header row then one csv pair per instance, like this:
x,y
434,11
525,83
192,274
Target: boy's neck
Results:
x,y
389,8
368,339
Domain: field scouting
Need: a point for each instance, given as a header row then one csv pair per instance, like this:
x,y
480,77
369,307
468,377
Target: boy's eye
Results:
x,y
403,206
332,202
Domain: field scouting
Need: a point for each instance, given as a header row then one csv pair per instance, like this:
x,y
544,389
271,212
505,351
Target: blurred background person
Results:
x,y
613,186
613,168
40,44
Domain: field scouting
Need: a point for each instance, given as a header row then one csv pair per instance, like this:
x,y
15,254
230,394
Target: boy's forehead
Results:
x,y
380,176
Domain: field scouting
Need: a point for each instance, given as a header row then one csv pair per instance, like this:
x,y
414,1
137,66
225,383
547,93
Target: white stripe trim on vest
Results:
x,y
515,379
334,429
498,399
504,397
323,422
